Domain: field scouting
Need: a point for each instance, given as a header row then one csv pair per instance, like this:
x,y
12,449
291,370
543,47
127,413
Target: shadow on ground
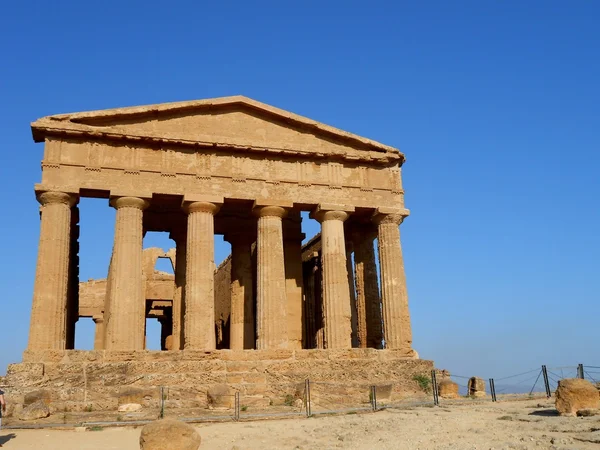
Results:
x,y
545,412
7,437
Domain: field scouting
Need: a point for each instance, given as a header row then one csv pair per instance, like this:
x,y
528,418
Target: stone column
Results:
x,y
180,238
241,319
368,302
271,308
353,311
396,317
99,335
336,291
166,330
199,319
292,253
126,319
49,308
319,311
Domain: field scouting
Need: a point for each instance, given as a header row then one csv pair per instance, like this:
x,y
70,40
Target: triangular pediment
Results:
x,y
236,122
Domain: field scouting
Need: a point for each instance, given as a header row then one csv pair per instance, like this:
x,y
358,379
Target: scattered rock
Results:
x,y
574,394
448,389
130,407
169,434
37,410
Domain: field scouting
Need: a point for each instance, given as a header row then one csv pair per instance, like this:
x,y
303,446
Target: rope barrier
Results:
x,y
517,375
534,384
589,376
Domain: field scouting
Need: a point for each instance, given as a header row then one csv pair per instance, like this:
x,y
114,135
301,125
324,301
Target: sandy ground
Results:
x,y
531,424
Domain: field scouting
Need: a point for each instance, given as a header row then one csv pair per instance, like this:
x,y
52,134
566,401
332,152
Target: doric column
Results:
x,y
99,335
353,311
292,253
396,317
241,319
310,266
126,318
271,294
199,319
368,303
336,291
166,330
49,307
180,238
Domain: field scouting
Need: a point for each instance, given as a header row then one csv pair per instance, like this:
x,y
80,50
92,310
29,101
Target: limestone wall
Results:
x,y
99,380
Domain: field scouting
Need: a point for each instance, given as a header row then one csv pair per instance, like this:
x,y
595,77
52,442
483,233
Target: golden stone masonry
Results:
x,y
246,170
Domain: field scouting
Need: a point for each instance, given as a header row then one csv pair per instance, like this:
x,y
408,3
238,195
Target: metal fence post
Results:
x,y
434,386
162,402
546,382
374,398
307,397
580,371
493,389
237,406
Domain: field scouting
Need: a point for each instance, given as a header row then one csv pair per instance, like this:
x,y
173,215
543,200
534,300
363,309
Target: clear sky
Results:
x,y
496,105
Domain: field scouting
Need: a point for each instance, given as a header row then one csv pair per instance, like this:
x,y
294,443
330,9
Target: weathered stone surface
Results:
x,y
574,394
169,434
384,392
476,387
130,407
37,410
43,395
221,396
448,389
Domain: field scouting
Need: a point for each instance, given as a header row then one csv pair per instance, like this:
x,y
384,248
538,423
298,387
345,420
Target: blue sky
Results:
x,y
495,104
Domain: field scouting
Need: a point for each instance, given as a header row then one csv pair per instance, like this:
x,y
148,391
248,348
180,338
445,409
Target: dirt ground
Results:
x,y
530,424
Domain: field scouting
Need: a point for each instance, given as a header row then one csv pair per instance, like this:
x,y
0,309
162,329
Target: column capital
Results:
x,y
205,207
129,202
54,197
390,215
269,211
326,211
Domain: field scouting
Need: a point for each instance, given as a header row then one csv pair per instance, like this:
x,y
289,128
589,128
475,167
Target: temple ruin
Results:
x,y
236,167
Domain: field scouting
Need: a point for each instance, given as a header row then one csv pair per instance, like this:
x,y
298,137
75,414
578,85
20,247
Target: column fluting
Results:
x,y
396,316
48,328
336,290
271,293
199,319
126,318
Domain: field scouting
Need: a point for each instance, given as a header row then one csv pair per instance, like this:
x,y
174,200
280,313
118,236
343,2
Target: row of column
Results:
x,y
123,324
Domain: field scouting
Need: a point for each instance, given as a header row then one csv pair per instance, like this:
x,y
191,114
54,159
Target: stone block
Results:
x,y
33,370
168,433
574,394
41,395
476,387
221,396
448,389
37,410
